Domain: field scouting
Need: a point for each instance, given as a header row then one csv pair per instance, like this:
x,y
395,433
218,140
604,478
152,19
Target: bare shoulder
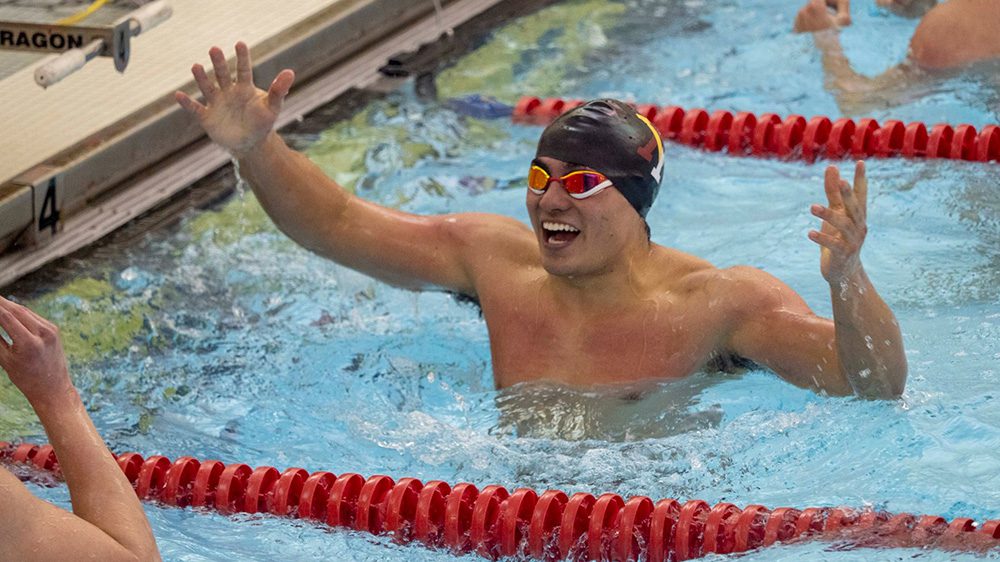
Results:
x,y
749,290
956,33
691,275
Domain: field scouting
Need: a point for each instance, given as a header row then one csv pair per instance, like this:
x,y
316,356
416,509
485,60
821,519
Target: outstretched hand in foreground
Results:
x,y
107,522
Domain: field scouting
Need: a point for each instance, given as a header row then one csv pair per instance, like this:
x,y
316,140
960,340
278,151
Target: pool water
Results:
x,y
212,335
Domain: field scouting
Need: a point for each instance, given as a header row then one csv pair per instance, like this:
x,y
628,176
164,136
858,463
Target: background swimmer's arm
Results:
x,y
950,36
855,92
107,522
841,78
399,248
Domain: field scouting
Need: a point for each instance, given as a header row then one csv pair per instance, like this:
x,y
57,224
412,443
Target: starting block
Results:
x,y
80,44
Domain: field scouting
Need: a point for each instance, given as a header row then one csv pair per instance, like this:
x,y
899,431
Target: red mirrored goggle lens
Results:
x,y
575,183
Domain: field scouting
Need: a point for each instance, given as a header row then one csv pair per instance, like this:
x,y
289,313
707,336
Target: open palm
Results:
x,y
236,115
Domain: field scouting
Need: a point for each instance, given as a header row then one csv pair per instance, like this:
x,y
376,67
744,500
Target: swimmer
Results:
x,y
951,35
107,522
582,297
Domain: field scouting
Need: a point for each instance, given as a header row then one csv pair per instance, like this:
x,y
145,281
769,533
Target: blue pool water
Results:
x,y
215,336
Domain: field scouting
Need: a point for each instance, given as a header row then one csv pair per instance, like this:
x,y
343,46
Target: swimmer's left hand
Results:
x,y
844,225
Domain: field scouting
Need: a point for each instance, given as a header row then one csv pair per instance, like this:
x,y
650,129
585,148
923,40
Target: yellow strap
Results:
x,y
80,16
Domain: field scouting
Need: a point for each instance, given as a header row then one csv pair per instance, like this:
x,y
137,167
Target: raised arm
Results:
x,y
400,248
861,350
869,342
107,522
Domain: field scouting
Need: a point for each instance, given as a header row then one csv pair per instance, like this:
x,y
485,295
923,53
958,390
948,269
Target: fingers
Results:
x,y
205,84
840,221
7,323
279,89
844,229
190,105
861,189
40,326
832,185
839,193
25,317
10,321
829,241
220,67
852,197
244,68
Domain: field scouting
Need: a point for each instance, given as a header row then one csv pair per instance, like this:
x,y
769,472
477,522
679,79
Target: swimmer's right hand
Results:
x,y
236,115
34,358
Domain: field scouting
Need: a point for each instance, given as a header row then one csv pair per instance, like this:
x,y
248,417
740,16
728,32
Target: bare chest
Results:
x,y
533,339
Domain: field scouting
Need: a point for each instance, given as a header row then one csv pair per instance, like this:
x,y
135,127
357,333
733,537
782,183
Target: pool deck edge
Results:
x,y
120,171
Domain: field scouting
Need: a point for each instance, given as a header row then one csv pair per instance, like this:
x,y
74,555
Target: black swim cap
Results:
x,y
608,136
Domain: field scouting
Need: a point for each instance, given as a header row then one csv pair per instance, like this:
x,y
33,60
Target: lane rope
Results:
x,y
494,522
772,135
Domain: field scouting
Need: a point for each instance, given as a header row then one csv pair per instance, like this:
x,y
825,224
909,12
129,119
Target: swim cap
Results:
x,y
608,136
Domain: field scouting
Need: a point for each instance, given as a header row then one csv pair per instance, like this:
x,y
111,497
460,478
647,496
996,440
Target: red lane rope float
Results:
x,y
794,136
495,523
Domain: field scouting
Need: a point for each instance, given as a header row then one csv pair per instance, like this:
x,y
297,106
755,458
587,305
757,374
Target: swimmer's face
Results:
x,y
579,237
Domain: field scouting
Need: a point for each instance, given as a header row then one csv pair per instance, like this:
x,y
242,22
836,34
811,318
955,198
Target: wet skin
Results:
x,y
951,36
599,306
582,297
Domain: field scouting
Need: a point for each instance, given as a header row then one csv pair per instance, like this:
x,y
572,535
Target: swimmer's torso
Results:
x,y
668,332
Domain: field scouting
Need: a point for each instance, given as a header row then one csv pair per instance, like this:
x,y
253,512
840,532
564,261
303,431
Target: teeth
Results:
x,y
558,226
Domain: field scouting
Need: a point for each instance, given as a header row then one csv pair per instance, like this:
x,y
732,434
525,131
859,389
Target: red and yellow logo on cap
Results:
x,y
647,151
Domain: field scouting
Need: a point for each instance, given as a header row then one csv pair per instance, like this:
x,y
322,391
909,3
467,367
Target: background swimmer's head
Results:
x,y
608,136
907,8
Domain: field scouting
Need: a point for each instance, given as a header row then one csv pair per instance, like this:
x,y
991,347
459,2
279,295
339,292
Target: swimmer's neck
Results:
x,y
621,281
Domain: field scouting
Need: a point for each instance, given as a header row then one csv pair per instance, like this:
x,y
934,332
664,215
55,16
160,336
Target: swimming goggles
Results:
x,y
580,184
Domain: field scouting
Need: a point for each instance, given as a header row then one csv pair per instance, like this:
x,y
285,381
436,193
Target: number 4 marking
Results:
x,y
49,217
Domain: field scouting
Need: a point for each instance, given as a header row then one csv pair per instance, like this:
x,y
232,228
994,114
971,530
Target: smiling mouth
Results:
x,y
559,234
